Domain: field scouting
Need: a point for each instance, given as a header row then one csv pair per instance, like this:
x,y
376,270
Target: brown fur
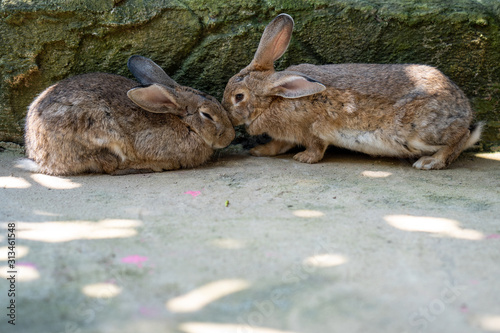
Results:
x,y
390,110
88,124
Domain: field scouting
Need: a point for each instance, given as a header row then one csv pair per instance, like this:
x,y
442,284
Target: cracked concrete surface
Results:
x,y
263,245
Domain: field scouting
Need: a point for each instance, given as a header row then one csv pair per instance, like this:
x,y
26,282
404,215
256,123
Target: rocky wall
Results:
x,y
202,43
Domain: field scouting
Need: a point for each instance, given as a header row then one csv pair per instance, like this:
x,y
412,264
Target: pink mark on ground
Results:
x,y
26,264
493,236
135,259
464,308
194,194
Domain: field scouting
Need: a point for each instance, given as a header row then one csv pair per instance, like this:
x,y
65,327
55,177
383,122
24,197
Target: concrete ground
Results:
x,y
261,245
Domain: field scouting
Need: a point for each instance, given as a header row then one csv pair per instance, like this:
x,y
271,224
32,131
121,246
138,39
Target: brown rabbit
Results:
x,y
104,123
408,111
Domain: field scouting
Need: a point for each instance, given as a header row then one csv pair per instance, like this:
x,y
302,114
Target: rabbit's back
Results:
x,y
82,102
392,81
400,99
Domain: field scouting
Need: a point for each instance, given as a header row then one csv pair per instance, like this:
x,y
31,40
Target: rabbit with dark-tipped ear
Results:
x,y
105,123
407,111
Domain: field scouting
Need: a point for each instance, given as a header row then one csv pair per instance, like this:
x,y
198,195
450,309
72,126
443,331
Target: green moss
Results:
x,y
209,69
56,6
52,45
487,106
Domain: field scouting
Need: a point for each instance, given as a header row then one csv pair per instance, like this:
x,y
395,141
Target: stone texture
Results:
x,y
203,43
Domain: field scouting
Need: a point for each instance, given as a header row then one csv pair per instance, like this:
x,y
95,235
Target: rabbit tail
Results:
x,y
28,165
475,134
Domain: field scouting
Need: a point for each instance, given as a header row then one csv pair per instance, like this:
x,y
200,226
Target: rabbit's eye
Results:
x,y
206,115
239,97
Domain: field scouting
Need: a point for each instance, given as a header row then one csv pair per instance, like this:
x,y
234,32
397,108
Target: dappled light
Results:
x,y
101,290
21,251
52,182
489,156
55,183
306,213
490,323
45,213
14,182
25,273
376,174
225,328
228,243
64,231
435,225
325,260
200,297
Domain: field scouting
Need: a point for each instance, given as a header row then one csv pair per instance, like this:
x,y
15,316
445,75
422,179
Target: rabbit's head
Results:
x,y
201,113
258,85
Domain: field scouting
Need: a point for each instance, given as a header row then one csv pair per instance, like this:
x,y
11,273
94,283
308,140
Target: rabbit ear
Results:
x,y
273,43
293,85
147,72
156,98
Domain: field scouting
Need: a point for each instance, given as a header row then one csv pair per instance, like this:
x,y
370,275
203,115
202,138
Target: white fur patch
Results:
x,y
28,165
115,148
100,141
350,106
378,143
373,143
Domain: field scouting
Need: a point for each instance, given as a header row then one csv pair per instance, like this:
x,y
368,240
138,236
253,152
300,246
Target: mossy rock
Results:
x,y
203,43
